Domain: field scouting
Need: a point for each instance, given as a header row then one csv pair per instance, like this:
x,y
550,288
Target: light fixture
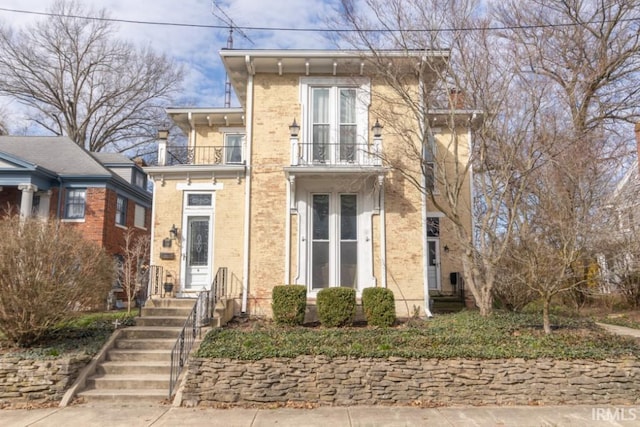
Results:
x,y
173,233
294,129
446,248
377,129
163,133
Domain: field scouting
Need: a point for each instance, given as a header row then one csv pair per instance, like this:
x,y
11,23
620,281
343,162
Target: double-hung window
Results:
x,y
121,210
75,203
336,121
429,164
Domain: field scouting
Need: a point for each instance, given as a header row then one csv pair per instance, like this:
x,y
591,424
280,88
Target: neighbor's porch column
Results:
x,y
26,202
45,203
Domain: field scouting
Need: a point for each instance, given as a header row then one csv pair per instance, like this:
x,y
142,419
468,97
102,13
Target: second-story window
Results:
x,y
121,211
429,164
336,124
233,147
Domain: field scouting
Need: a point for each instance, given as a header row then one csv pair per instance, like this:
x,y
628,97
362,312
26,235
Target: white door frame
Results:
x,y
437,266
189,212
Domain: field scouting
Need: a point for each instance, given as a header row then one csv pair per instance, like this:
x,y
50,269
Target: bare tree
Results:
x,y
482,73
79,80
552,97
135,259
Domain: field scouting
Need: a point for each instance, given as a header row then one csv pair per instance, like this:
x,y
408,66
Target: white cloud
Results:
x,y
197,48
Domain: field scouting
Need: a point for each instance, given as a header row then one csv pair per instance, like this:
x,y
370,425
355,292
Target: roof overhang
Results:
x,y
189,118
456,117
240,64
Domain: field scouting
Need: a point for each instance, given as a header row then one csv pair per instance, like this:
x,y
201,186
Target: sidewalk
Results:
x,y
164,416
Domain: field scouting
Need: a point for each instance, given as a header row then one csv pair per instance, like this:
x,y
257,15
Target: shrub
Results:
x,y
47,271
336,306
288,304
379,306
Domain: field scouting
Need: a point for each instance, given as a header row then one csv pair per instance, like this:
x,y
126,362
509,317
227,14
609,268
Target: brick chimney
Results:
x,y
456,99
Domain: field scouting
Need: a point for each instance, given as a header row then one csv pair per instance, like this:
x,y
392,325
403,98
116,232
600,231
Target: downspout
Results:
x,y
383,240
425,243
59,209
247,191
153,233
287,236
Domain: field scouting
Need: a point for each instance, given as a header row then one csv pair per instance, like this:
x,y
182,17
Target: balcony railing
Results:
x,y
345,154
207,155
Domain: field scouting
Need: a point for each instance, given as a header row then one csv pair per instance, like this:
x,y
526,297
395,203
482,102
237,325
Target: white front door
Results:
x,y
433,265
198,253
197,243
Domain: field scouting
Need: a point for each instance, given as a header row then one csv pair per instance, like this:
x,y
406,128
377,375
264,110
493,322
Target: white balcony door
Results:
x,y
334,124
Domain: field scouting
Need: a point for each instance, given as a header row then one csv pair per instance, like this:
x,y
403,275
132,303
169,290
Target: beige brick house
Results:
x,y
315,204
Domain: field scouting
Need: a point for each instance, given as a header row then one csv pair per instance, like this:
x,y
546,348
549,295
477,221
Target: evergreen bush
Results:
x,y
288,303
379,306
336,306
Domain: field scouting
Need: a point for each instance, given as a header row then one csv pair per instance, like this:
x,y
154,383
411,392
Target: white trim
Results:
x,y
185,186
423,208
247,193
435,214
365,203
363,102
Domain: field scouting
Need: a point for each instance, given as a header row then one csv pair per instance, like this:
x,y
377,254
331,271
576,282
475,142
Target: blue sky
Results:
x,y
197,48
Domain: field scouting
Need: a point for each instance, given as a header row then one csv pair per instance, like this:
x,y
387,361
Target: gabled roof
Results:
x,y
56,154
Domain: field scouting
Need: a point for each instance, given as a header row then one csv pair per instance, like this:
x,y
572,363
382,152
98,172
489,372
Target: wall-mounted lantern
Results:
x,y
294,129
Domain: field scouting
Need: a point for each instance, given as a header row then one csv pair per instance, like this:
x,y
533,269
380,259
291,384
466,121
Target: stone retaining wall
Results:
x,y
38,380
344,381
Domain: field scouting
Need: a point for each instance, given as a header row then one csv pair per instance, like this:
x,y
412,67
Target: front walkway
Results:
x,y
165,416
620,330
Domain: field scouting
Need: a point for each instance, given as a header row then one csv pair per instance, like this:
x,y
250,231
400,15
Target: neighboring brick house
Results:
x,y
310,204
102,194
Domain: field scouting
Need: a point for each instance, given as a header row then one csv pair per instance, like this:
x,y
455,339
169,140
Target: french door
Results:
x,y
334,240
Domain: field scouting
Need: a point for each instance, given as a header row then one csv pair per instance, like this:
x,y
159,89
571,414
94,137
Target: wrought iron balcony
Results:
x,y
207,155
341,154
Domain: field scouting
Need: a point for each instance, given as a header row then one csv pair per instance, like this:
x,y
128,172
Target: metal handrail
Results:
x,y
335,154
205,155
184,343
200,315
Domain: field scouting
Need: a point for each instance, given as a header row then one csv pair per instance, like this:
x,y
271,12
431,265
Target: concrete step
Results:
x,y
125,396
146,344
128,382
166,312
132,367
165,321
122,355
147,332
171,302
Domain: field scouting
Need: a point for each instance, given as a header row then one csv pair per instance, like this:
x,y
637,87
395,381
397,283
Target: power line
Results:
x,y
321,30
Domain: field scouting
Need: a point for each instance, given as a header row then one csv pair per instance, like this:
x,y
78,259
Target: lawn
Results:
x,y
459,335
86,333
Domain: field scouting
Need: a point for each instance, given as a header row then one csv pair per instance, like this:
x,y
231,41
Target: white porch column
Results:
x,y
45,203
26,202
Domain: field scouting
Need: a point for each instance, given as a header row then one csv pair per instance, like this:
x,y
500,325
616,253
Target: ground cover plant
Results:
x,y
84,333
458,335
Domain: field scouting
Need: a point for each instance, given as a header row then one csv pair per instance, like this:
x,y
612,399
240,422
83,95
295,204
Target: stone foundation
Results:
x,y
344,381
38,380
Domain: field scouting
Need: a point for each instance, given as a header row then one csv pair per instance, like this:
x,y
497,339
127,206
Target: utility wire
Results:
x,y
315,30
